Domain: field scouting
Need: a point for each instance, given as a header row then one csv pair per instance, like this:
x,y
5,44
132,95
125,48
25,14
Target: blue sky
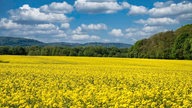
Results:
x,y
83,21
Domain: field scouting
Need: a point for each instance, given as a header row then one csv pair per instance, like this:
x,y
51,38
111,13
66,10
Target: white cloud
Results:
x,y
80,37
59,8
80,33
35,31
78,30
138,34
157,21
33,23
9,24
143,32
26,14
116,32
65,25
138,10
153,29
94,37
131,30
99,0
187,16
106,40
94,27
168,13
48,30
150,28
46,26
99,6
43,24
162,9
162,4
125,5
90,27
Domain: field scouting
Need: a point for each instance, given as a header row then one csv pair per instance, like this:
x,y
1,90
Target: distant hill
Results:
x,y
167,45
12,41
63,44
118,45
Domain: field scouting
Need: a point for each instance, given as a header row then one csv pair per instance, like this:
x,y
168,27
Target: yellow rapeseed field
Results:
x,y
85,82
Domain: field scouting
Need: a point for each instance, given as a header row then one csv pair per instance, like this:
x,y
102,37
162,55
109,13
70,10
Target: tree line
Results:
x,y
91,51
182,49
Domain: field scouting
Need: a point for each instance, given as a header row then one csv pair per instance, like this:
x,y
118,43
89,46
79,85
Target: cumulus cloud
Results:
x,y
116,32
131,30
37,31
137,35
106,40
65,25
80,37
153,29
163,9
187,16
157,21
59,8
125,5
90,27
138,10
143,32
46,26
99,6
94,27
99,0
9,24
37,23
26,14
78,30
80,33
168,13
162,4
47,23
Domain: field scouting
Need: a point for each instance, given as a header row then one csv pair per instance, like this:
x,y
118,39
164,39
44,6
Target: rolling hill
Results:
x,y
13,41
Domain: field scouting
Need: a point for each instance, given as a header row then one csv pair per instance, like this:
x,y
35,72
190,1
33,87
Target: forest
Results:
x,y
91,51
165,45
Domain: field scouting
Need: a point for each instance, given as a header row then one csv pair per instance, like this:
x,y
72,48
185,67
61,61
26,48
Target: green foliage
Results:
x,y
165,45
92,51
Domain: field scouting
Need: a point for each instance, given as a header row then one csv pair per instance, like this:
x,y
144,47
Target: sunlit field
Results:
x,y
78,82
